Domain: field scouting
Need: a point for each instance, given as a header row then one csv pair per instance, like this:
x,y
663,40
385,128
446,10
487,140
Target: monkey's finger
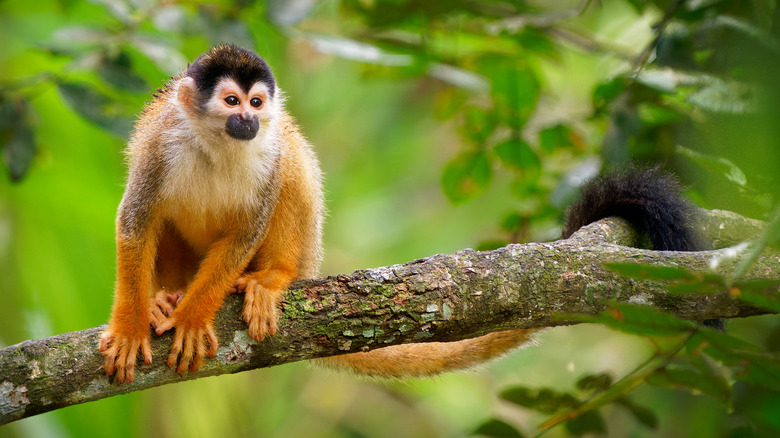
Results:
x,y
213,343
146,350
255,328
200,351
157,317
175,348
173,299
132,356
110,357
121,361
240,283
105,340
249,305
271,316
165,325
163,304
186,355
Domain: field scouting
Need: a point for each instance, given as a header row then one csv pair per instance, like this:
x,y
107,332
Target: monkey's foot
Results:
x,y
120,352
260,306
162,305
190,342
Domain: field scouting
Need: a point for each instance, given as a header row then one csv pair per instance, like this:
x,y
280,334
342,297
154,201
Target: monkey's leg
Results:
x,y
175,268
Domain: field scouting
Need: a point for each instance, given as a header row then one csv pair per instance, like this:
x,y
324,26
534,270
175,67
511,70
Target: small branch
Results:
x,y
439,298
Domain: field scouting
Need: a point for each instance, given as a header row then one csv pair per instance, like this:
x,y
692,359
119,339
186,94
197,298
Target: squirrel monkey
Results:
x,y
224,195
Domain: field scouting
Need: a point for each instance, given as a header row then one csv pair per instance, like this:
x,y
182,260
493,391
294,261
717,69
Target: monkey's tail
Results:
x,y
651,200
429,358
648,198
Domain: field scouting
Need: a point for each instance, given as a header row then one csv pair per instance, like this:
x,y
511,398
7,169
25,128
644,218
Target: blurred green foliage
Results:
x,y
440,125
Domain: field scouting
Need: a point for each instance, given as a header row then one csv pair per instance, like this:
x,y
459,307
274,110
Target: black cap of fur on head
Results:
x,y
648,198
228,61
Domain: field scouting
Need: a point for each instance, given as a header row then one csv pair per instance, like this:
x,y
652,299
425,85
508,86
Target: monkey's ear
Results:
x,y
187,94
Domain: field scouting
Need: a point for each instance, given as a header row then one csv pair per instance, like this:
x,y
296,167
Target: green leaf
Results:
x,y
466,176
514,223
644,415
614,392
594,382
653,115
760,370
757,292
589,422
497,429
717,165
703,285
478,124
729,97
118,71
517,154
725,348
17,139
545,400
639,320
605,93
558,137
96,107
538,43
684,281
515,89
682,376
640,271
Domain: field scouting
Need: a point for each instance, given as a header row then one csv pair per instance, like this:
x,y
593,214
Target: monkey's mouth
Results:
x,y
241,128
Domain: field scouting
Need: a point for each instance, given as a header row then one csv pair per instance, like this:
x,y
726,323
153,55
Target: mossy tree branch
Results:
x,y
439,298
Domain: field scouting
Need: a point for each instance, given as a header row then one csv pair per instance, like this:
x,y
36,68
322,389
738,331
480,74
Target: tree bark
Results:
x,y
438,298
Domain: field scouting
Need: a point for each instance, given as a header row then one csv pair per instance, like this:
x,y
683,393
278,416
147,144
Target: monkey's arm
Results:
x,y
194,316
128,330
291,239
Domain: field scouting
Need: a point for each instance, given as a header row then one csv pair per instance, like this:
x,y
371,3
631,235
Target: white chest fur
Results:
x,y
208,182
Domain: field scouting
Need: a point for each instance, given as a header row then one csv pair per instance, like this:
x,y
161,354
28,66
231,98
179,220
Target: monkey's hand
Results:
x,y
162,305
120,346
190,341
261,311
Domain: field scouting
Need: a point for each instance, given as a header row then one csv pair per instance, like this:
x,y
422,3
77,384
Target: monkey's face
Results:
x,y
240,110
229,109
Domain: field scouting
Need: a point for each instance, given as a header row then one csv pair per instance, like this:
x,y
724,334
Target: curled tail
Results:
x,y
648,198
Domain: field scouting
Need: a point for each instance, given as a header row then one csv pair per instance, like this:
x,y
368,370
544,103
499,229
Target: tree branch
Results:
x,y
439,298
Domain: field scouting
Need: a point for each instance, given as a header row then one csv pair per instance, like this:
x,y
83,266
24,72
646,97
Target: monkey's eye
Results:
x,y
256,102
231,100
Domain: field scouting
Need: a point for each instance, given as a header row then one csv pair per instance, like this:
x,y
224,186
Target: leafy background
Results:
x,y
440,125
